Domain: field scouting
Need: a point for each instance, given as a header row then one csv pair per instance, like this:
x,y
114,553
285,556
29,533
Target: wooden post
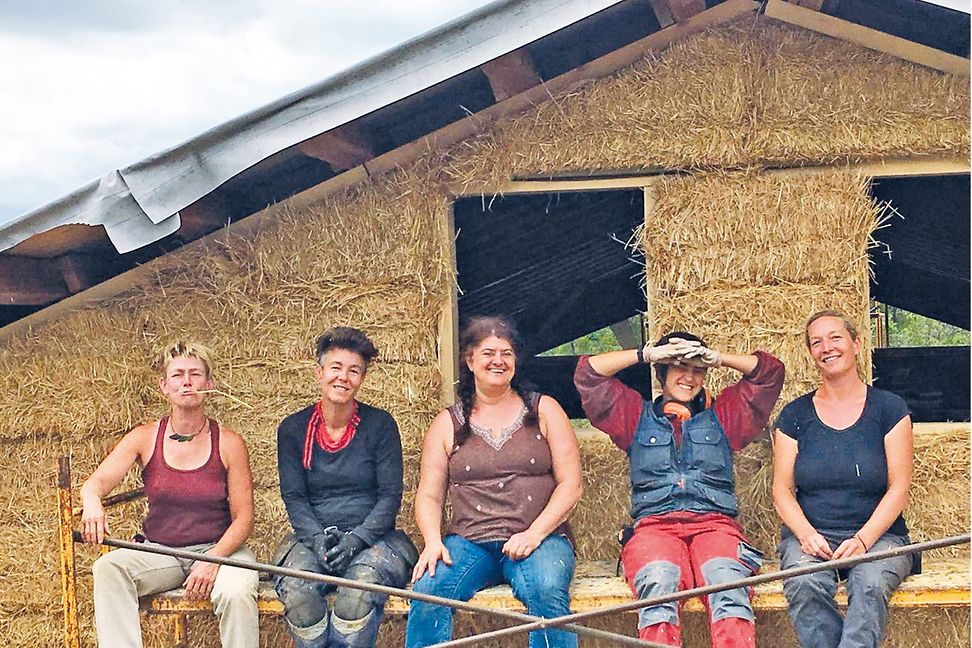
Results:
x,y
448,342
180,631
65,529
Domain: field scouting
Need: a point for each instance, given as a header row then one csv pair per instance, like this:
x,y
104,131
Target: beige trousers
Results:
x,y
123,575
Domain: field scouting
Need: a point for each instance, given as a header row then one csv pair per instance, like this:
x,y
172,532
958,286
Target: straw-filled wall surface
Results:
x,y
751,264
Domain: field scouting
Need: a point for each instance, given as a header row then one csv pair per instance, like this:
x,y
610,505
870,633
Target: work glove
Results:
x,y
324,542
703,357
669,353
340,556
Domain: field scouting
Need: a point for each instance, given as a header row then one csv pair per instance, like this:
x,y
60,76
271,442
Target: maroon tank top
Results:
x,y
498,486
186,507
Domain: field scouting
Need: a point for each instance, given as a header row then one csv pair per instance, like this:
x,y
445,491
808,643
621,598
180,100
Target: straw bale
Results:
x,y
755,92
752,93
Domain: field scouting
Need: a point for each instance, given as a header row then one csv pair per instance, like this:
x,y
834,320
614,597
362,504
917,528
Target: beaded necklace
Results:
x,y
182,438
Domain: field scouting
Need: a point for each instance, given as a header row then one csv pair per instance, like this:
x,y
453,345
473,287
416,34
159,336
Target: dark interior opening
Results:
x,y
557,265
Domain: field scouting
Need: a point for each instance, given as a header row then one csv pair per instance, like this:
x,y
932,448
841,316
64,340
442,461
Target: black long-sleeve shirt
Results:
x,y
356,489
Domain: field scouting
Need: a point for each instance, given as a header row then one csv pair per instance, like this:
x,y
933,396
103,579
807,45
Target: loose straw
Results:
x,y
222,393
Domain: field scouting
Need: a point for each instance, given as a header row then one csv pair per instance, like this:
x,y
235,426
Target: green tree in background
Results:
x,y
597,342
907,329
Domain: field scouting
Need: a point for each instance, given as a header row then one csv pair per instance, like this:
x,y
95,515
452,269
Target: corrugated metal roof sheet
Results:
x,y
140,203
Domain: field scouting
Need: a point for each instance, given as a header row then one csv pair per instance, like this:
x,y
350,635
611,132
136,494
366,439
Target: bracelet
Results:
x,y
863,544
641,355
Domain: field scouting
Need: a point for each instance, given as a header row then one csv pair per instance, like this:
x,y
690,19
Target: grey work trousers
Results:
x,y
813,611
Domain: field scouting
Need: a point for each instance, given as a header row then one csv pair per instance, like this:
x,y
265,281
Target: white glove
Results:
x,y
671,352
703,357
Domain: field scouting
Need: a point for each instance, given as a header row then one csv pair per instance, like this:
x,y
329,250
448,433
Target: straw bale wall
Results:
x,y
755,255
752,93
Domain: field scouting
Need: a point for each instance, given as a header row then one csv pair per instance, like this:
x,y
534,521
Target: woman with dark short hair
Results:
x,y
508,459
340,465
843,462
683,499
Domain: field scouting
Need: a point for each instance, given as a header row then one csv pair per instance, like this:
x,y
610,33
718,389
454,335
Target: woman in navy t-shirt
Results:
x,y
842,469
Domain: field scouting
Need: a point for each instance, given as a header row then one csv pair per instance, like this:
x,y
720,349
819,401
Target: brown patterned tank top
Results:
x,y
499,485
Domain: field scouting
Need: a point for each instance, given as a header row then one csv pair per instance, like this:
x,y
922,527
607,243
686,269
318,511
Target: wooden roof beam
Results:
x,y
662,13
29,281
207,214
867,37
511,74
344,147
682,10
81,271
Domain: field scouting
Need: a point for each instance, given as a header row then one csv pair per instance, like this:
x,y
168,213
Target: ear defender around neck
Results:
x,y
681,412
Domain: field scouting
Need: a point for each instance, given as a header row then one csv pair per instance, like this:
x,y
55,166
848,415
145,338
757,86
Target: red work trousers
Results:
x,y
681,550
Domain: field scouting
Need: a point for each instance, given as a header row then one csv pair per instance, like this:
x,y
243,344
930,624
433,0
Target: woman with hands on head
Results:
x,y
200,495
843,459
683,499
509,460
340,465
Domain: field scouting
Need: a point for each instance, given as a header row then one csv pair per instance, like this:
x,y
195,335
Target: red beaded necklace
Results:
x,y
317,430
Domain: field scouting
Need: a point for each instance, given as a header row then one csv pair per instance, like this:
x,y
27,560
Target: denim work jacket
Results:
x,y
695,475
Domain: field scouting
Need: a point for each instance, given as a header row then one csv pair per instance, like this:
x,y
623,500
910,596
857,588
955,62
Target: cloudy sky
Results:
x,y
93,85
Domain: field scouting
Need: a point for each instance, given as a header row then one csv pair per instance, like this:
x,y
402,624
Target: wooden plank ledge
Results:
x,y
942,583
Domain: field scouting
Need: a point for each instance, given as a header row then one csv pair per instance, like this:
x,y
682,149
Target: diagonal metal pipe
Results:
x,y
840,563
371,587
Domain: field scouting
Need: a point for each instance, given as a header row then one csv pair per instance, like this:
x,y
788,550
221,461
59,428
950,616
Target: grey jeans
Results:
x,y
122,575
813,611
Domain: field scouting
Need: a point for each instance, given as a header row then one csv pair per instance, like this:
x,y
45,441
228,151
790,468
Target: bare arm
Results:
x,y
899,448
107,476
565,456
232,449
785,501
430,494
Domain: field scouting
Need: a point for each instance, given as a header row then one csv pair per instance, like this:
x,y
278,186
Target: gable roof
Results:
x,y
356,121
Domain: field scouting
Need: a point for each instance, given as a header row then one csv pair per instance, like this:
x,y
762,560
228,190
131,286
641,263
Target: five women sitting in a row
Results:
x,y
508,460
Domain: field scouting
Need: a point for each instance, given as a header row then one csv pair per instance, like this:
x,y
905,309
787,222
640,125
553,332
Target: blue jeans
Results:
x,y
541,581
813,611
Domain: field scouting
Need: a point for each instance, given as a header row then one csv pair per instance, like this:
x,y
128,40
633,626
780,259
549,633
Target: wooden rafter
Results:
x,y
81,271
29,281
813,5
343,148
867,37
682,10
511,74
662,13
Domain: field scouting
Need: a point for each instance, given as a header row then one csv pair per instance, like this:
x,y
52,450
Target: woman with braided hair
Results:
x,y
509,460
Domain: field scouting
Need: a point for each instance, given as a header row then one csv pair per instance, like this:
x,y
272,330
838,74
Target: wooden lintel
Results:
x,y
662,13
343,148
29,281
511,74
887,168
682,10
867,37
